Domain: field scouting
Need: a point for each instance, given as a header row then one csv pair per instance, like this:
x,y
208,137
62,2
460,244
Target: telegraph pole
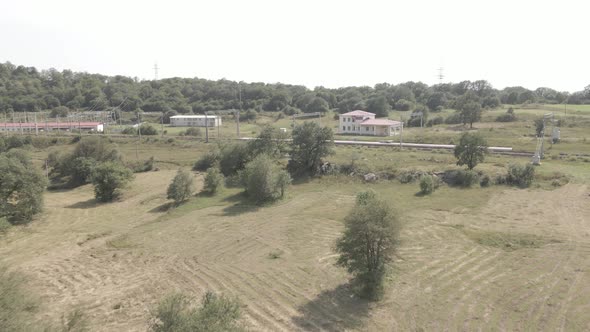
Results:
x,y
238,113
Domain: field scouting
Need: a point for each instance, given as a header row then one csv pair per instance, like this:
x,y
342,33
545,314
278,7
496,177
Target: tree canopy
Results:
x,y
471,150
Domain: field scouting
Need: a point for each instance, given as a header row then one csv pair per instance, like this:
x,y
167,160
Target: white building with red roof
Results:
x,y
365,123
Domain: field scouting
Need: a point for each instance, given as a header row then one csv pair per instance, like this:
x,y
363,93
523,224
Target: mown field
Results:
x,y
495,258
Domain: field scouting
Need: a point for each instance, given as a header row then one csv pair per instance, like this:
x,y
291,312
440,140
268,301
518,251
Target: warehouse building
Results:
x,y
195,120
49,126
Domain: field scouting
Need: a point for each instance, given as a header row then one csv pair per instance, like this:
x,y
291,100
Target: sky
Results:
x,y
314,43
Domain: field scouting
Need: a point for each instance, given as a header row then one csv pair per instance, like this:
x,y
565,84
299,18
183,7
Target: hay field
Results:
x,y
484,258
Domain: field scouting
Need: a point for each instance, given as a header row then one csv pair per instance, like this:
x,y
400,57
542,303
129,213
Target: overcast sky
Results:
x,y
329,43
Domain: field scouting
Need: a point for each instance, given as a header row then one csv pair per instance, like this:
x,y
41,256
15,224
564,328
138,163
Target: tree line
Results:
x,y
26,89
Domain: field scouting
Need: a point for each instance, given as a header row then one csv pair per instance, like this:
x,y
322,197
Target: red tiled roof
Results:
x,y
380,122
359,112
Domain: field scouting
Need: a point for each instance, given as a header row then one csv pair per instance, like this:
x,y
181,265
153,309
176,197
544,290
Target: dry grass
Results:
x,y
279,259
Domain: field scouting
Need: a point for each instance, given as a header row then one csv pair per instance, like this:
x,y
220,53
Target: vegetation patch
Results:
x,y
507,241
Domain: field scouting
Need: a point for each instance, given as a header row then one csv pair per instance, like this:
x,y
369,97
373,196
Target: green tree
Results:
x,y
471,150
181,187
270,141
217,313
367,245
21,187
378,104
264,180
108,179
317,104
310,144
470,113
213,180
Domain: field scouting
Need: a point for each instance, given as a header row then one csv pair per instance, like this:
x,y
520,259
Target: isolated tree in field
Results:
x,y
108,179
310,144
471,150
264,180
21,187
181,187
470,113
217,313
213,180
369,240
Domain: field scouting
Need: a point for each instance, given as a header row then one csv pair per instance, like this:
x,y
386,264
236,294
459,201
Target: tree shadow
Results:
x,y
84,204
337,309
242,204
162,208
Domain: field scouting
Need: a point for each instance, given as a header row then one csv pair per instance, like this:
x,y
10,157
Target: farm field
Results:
x,y
470,259
520,135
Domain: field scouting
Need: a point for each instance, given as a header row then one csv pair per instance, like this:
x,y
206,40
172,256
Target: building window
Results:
x,y
343,127
366,128
348,127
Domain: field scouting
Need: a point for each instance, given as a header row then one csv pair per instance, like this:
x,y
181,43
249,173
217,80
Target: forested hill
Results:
x,y
26,89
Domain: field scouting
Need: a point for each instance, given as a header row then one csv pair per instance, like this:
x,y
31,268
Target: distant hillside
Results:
x,y
26,89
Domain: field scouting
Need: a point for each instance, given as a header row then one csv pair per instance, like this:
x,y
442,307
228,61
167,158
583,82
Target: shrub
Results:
x,y
129,131
436,121
108,179
213,180
193,131
428,184
454,118
78,165
21,187
509,116
209,159
485,181
519,175
411,175
148,130
264,180
181,187
310,144
233,158
461,178
217,313
141,167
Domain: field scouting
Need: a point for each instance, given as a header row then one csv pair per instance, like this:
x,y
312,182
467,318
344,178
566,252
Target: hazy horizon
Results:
x,y
332,44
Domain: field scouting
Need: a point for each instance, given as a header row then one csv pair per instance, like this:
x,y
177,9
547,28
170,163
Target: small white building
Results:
x,y
365,123
195,120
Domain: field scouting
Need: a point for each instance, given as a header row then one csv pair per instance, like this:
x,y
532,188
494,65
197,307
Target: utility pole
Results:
x,y
401,132
238,113
162,125
206,128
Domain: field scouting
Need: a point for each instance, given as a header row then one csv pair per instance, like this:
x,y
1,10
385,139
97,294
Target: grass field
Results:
x,y
470,259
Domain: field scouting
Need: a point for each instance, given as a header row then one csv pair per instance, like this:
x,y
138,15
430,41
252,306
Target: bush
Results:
x,y
213,180
411,175
148,130
461,178
129,131
509,116
264,180
78,165
233,158
21,187
181,187
209,159
428,184
485,181
519,175
454,118
108,179
192,132
436,121
141,167
217,313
